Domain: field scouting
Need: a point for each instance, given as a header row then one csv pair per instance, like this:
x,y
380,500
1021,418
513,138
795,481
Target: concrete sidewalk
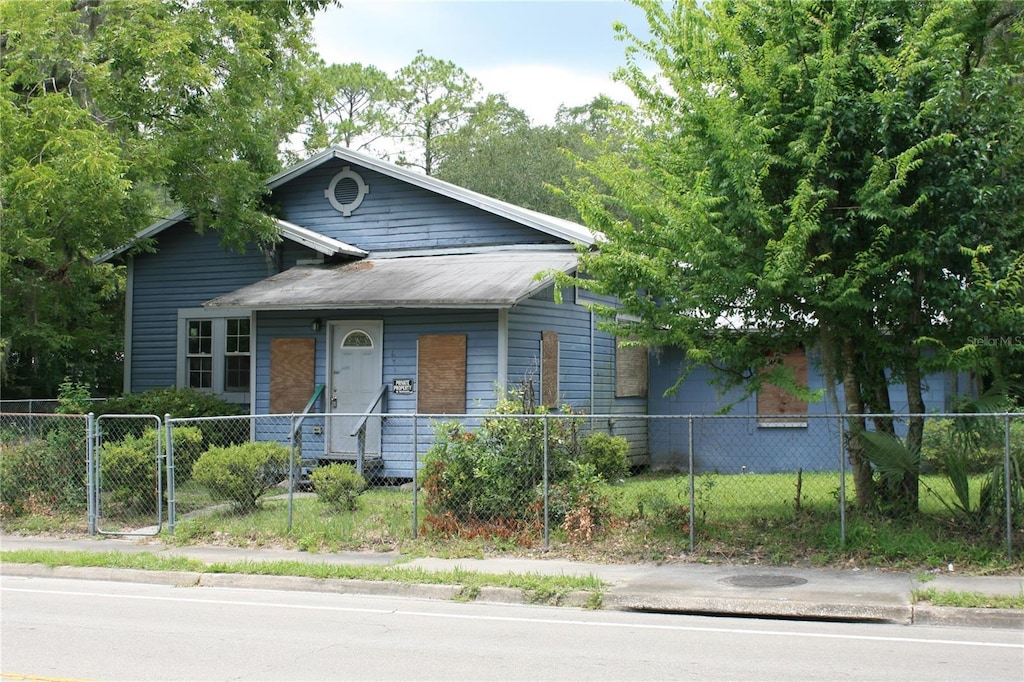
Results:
x,y
733,590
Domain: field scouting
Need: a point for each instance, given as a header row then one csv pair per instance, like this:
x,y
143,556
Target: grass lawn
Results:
x,y
781,519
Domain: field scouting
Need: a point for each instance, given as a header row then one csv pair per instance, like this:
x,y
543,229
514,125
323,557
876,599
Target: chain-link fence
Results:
x,y
536,478
44,467
35,405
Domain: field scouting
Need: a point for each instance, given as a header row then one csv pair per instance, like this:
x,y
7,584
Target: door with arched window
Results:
x,y
356,373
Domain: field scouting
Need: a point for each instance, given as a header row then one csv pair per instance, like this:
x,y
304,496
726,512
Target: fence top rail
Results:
x,y
44,415
587,415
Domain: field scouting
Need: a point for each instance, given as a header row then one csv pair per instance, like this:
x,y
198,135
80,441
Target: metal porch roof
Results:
x,y
492,279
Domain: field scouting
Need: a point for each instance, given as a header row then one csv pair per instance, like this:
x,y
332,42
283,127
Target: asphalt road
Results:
x,y
62,629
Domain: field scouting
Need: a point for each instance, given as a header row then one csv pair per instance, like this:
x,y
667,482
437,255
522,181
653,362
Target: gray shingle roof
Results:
x,y
491,279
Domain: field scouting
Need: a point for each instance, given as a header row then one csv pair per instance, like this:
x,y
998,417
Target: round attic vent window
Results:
x,y
346,191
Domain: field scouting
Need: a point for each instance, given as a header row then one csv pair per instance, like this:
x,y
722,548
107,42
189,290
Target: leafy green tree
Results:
x,y
828,174
499,153
434,101
352,107
111,113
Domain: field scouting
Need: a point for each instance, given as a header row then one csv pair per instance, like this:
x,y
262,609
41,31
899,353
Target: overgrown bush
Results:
x,y
576,503
44,473
491,475
242,474
338,485
128,468
978,441
73,397
183,403
607,454
964,449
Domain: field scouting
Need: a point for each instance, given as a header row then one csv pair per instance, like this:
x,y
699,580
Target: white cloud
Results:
x,y
539,89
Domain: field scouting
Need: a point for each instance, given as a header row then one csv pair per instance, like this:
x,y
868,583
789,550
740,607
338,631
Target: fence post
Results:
x,y
293,437
172,502
415,475
693,503
90,469
1006,488
547,525
842,482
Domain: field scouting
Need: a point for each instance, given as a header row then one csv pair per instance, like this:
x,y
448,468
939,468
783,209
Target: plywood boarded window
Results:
x,y
291,374
772,400
549,368
441,369
630,370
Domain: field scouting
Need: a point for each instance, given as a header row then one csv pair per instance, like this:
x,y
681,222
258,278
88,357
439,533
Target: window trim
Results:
x,y
218,330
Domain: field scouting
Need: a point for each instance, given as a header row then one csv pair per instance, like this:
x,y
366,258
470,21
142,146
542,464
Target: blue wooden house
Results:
x,y
392,293
769,432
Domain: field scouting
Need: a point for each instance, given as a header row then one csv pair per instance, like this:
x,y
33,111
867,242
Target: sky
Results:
x,y
539,53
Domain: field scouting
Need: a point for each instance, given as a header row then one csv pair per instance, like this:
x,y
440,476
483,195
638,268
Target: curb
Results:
x,y
496,595
763,608
954,616
921,614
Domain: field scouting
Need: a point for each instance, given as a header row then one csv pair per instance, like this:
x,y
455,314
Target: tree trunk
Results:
x,y
862,475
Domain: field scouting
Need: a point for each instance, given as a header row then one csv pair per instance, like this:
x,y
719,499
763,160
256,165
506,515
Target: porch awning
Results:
x,y
492,279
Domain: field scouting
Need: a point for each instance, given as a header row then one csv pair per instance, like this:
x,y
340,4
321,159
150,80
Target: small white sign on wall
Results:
x,y
402,387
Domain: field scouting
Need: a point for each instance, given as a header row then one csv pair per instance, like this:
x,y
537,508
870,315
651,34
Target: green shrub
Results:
x,y
576,503
242,474
338,485
183,403
188,444
129,472
492,474
607,454
73,398
44,473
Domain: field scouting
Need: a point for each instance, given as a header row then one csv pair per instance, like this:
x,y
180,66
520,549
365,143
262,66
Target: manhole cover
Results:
x,y
764,580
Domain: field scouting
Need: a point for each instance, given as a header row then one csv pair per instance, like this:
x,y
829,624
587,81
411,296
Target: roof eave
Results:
x,y
318,242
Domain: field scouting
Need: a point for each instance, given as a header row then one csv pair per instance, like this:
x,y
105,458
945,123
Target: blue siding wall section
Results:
x,y
187,270
401,333
735,445
586,365
396,216
540,313
605,402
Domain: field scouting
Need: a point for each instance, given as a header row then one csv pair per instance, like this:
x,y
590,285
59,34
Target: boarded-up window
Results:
x,y
442,374
630,371
772,400
291,374
549,369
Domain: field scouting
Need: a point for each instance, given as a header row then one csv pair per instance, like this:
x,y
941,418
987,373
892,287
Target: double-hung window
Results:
x,y
215,352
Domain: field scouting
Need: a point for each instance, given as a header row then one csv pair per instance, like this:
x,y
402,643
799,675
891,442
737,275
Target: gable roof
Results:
x,y
490,279
557,227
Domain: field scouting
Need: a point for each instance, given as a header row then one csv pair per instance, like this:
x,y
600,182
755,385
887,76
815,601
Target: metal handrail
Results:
x,y
317,392
361,424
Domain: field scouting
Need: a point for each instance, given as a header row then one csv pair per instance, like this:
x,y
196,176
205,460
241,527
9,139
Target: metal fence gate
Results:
x,y
126,475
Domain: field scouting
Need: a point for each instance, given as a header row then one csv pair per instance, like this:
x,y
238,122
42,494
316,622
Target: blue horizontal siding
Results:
x,y
187,270
396,216
736,445
402,330
527,321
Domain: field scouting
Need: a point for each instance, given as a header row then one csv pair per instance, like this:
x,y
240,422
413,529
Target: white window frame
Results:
x,y
219,327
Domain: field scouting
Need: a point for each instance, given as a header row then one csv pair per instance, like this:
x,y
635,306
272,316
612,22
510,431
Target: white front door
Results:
x,y
356,375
